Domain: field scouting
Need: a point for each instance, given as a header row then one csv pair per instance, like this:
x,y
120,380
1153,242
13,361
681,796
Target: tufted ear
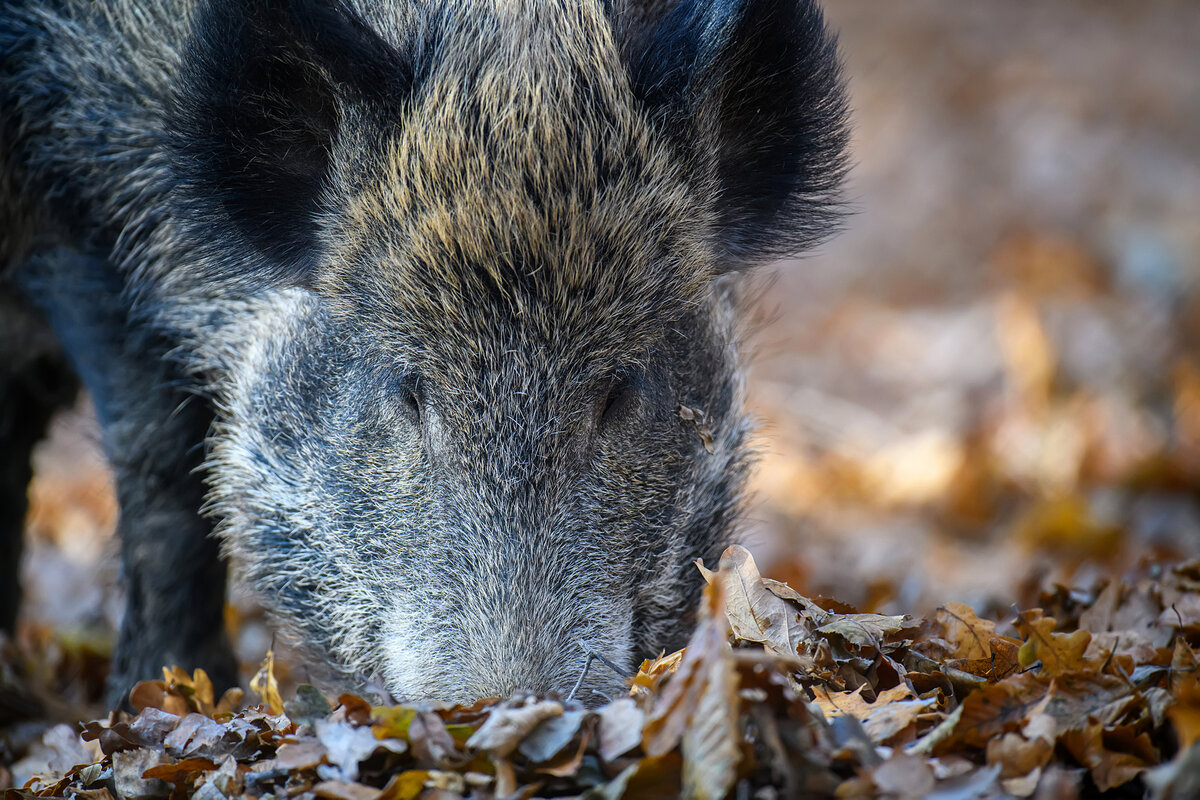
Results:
x,y
264,90
751,92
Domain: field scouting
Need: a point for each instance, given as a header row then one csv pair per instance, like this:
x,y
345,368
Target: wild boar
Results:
x,y
426,314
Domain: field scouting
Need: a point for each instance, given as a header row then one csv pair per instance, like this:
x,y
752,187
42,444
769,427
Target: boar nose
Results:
x,y
473,650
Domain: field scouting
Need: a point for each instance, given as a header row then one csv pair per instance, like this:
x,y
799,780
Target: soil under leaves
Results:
x,y
1095,693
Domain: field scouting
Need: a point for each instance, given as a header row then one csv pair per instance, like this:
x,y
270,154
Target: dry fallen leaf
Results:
x,y
344,790
506,726
1059,653
620,728
1185,690
266,686
755,613
1024,753
653,672
971,635
698,707
1109,767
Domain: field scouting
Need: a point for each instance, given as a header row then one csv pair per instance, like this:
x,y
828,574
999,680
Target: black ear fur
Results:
x,y
256,116
752,91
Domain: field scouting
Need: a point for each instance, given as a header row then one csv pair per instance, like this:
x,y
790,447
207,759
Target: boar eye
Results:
x,y
613,401
620,402
405,392
412,405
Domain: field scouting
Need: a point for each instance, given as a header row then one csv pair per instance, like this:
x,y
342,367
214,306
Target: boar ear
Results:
x,y
751,92
263,90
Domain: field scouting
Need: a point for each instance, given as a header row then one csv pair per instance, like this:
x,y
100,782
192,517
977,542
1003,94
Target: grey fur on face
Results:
x,y
440,278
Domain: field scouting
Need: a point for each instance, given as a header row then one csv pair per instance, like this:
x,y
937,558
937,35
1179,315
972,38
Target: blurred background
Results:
x,y
988,383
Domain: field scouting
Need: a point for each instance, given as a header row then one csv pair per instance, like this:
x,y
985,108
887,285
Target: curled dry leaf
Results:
x,y
699,707
129,769
620,728
904,775
344,790
970,635
346,746
301,755
867,630
892,716
406,785
551,736
1185,690
653,673
432,744
1059,653
1024,753
265,684
506,726
993,711
1111,762
157,694
181,771
755,613
199,736
392,722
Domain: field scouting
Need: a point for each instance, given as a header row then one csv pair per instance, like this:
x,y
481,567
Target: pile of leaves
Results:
x,y
776,695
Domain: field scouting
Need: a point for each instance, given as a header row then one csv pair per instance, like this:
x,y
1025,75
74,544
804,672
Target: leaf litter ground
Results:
x,y
1095,693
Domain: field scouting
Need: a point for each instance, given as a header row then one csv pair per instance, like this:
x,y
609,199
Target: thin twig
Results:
x,y
620,673
587,664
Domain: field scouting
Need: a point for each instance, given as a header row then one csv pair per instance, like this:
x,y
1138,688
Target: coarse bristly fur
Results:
x,y
408,295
